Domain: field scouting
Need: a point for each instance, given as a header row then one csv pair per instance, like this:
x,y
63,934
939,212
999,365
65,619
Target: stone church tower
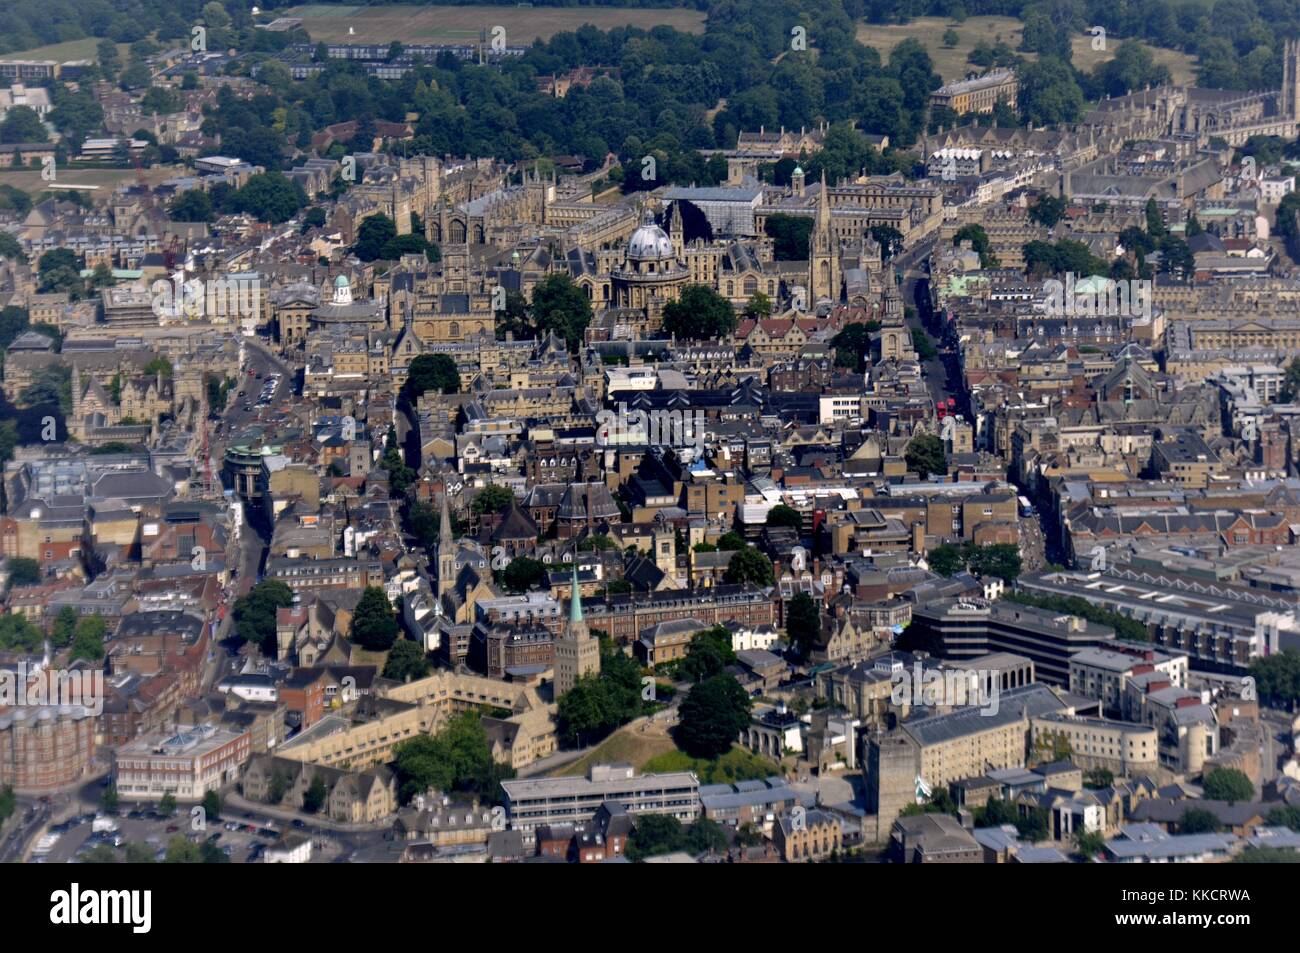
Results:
x,y
577,651
446,552
823,253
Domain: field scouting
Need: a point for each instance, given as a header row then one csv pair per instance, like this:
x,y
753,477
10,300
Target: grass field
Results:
x,y
951,63
625,745
30,181
737,764
410,23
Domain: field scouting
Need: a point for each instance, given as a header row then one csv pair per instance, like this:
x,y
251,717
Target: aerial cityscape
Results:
x,y
718,432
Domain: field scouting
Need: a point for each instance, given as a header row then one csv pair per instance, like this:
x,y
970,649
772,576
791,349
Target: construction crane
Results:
x,y
170,252
139,167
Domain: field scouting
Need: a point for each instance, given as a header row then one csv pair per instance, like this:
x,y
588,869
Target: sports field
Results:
x,y
411,23
950,63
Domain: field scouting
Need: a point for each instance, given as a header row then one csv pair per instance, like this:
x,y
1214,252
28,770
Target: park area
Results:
x,y
409,23
951,64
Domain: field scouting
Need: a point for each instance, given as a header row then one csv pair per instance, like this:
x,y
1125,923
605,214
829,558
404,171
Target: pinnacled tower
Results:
x,y
577,651
823,253
446,552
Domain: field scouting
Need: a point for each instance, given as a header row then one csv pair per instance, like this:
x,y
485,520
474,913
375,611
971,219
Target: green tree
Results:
x,y
1227,784
1049,94
946,560
699,314
759,306
789,234
278,788
731,541
782,515
979,241
373,235
1098,778
708,654
88,639
374,623
457,758
109,799
1048,210
100,854
523,574
712,716
998,559
853,344
925,455
1155,219
436,372
1277,678
16,633
1197,820
139,854
803,621
1089,844
23,571
65,625
211,805
167,804
22,124
181,850
406,661
254,613
493,498
270,197
749,565
314,798
192,205
655,834
924,347
706,837
560,306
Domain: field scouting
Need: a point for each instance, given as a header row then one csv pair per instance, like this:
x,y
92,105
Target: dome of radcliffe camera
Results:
x,y
341,281
649,242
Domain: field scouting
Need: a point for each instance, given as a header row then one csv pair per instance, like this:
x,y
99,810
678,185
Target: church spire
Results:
x,y
823,205
444,528
575,597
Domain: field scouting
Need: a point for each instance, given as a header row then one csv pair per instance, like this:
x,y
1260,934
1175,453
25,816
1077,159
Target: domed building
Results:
x,y
651,273
345,313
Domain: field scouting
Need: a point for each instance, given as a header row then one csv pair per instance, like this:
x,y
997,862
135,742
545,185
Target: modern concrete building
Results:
x,y
962,631
532,802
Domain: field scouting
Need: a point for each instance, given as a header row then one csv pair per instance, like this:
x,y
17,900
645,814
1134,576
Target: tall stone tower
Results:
x,y
446,552
577,651
823,253
1291,80
890,777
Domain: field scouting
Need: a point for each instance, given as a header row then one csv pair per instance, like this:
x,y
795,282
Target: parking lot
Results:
x,y
241,839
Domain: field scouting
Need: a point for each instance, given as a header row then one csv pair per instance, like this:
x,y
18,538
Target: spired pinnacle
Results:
x,y
444,529
575,597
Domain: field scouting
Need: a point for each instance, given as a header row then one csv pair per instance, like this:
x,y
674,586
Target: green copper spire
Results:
x,y
575,597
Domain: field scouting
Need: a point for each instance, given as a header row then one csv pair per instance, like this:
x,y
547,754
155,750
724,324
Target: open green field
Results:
x,y
627,745
738,764
84,49
411,23
951,63
30,181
